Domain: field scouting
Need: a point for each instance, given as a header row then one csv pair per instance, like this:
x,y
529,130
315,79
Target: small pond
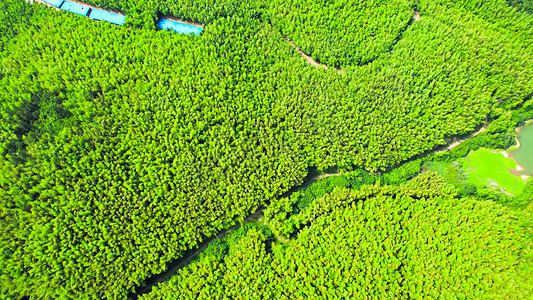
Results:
x,y
524,154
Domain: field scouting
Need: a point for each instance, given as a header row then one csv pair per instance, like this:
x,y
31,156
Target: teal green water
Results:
x,y
524,154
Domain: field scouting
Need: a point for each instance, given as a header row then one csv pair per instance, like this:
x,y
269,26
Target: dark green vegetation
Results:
x,y
418,240
522,5
123,147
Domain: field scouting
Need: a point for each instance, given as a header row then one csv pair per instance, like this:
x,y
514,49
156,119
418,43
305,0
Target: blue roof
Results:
x,y
56,3
100,15
75,8
178,27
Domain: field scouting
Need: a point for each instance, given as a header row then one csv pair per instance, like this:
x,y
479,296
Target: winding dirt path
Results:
x,y
189,256
457,142
309,59
529,208
182,262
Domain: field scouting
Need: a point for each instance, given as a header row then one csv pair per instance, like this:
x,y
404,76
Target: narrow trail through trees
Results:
x,y
175,266
458,142
188,256
311,61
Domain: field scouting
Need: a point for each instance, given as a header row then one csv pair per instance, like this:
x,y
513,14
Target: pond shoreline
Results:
x,y
517,130
508,153
517,171
507,172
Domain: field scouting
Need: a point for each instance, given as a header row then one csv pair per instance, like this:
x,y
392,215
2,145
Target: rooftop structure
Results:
x,y
76,8
178,27
102,15
56,3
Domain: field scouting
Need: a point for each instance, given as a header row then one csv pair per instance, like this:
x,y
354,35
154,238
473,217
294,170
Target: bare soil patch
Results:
x,y
310,60
458,142
416,16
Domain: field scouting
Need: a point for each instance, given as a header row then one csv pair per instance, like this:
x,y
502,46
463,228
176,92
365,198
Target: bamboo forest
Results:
x,y
296,149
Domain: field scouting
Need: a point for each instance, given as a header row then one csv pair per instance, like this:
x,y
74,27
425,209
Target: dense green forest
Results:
x,y
340,33
415,241
123,147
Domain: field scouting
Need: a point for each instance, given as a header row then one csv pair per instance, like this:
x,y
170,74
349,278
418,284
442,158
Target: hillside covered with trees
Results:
x,y
124,147
418,240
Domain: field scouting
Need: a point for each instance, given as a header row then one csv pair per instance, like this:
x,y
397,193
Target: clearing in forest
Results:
x,y
493,168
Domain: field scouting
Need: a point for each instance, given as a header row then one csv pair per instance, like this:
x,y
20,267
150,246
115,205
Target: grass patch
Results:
x,y
490,168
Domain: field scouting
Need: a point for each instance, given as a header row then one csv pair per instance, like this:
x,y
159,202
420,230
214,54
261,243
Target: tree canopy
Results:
x,y
417,240
123,147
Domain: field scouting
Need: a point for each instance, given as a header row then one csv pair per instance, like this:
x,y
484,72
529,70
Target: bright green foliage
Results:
x,y
219,248
342,32
454,174
318,189
285,222
414,241
16,17
360,177
491,168
123,147
526,197
336,33
287,210
203,11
